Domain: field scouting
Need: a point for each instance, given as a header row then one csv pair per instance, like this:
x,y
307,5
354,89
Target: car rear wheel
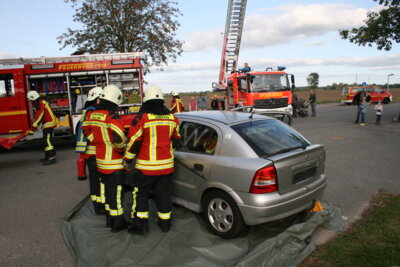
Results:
x,y
386,100
222,215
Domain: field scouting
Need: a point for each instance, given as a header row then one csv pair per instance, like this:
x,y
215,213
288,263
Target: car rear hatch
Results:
x,y
299,167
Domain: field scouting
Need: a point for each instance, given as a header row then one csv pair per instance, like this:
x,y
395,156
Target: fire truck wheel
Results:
x,y
386,100
222,215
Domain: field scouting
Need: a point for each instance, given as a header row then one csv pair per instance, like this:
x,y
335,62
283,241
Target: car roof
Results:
x,y
225,117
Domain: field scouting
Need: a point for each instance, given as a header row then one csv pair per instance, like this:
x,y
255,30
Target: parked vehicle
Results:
x,y
239,170
376,93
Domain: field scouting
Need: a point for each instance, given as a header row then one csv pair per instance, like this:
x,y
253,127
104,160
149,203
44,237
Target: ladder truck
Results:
x,y
64,82
264,90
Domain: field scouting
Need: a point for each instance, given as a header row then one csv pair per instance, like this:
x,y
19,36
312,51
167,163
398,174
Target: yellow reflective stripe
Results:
x,y
49,124
118,200
164,216
132,141
159,123
107,207
90,137
134,194
157,162
83,115
117,130
102,193
53,117
49,146
154,168
36,123
81,143
90,150
104,161
153,143
129,155
93,197
116,212
95,123
110,166
143,215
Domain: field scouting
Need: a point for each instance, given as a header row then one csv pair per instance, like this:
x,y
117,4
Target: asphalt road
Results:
x,y
360,161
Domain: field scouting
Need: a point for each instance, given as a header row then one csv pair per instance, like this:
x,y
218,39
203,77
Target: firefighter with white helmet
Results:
x,y
176,104
87,153
44,115
104,128
149,160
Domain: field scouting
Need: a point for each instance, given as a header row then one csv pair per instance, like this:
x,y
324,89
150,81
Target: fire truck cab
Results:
x,y
264,90
64,83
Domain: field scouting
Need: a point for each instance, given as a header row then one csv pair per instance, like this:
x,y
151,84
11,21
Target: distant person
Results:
x,y
246,68
358,99
192,104
378,110
363,108
214,103
202,102
176,104
313,102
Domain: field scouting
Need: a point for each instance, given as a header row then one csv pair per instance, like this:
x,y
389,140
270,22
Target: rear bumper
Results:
x,y
261,208
347,101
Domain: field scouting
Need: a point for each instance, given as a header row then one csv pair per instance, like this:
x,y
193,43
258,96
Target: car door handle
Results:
x,y
198,167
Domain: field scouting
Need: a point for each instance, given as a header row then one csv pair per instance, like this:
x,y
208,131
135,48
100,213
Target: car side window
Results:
x,y
197,138
378,90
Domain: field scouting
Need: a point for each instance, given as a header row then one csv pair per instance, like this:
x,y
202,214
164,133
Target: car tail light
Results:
x,y
264,181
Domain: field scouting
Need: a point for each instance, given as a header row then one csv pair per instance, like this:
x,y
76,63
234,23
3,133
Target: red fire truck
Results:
x,y
64,83
264,90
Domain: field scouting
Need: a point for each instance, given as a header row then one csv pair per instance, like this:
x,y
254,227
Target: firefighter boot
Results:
x,y
98,208
164,225
118,223
108,221
139,226
49,162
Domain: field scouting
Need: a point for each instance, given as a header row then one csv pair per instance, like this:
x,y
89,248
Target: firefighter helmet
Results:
x,y
173,93
94,93
33,95
113,94
153,92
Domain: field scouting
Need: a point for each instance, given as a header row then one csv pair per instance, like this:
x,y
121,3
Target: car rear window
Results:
x,y
270,137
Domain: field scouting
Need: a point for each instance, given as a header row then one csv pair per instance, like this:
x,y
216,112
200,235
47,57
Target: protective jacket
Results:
x,y
177,105
106,132
150,143
44,115
83,145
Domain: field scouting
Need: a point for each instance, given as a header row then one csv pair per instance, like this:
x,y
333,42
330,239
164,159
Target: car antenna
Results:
x,y
253,110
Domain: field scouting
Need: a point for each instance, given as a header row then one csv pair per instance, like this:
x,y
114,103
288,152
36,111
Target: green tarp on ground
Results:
x,y
189,243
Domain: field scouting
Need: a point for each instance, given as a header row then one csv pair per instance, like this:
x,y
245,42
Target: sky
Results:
x,y
301,35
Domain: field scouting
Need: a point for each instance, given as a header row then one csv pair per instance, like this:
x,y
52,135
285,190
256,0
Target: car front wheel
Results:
x,y
222,215
386,100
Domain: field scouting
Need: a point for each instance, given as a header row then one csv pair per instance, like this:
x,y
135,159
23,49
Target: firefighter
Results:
x,y
176,104
104,128
87,152
45,116
153,134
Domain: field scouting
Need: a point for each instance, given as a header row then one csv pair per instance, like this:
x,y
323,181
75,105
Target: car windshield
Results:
x,y
270,137
269,82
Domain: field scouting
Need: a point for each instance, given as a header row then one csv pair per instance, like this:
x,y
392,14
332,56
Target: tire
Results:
x,y
223,216
348,103
386,100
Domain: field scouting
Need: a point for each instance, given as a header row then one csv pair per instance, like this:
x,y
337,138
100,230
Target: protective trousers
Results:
x,y
113,199
140,194
95,185
49,152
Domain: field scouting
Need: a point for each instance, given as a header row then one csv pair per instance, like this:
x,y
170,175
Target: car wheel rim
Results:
x,y
220,215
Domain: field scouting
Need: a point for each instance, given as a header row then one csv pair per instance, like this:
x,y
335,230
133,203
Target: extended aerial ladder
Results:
x,y
232,38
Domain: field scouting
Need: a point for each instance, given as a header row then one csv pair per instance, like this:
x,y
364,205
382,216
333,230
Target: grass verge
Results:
x,y
372,241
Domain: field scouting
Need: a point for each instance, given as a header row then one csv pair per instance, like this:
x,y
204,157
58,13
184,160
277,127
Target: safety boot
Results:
x,y
165,225
98,208
118,223
139,226
49,162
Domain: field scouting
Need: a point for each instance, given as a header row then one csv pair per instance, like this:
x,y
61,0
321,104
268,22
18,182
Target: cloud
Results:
x,y
316,43
284,24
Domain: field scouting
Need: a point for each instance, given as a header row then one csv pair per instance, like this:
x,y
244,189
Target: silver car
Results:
x,y
239,169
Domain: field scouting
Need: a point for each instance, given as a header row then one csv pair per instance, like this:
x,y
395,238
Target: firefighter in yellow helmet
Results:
x,y
176,104
104,128
44,115
149,155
